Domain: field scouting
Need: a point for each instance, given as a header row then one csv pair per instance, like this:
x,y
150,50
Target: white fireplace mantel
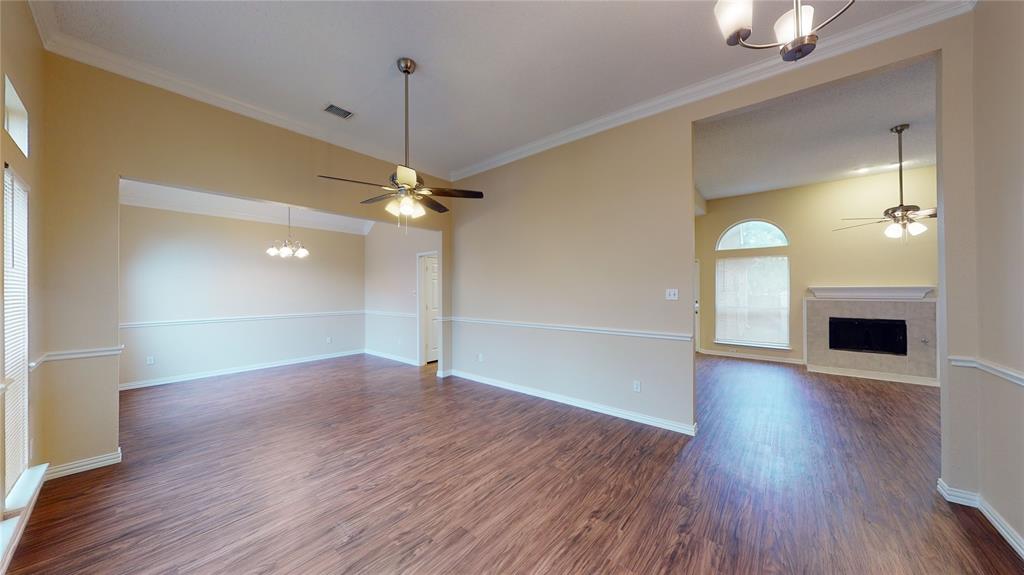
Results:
x,y
903,293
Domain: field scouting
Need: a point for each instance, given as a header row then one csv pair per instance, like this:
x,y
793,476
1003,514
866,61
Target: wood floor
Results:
x,y
362,465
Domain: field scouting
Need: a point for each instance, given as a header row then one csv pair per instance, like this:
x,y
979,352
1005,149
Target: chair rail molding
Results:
x,y
238,318
1007,373
674,336
75,354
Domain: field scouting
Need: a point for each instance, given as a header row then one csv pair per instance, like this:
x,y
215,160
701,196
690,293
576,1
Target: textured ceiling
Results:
x,y
830,132
492,77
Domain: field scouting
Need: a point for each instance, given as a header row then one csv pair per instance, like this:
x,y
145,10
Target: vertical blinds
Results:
x,y
752,301
15,281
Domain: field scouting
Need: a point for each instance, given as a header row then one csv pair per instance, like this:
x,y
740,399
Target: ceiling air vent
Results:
x,y
339,112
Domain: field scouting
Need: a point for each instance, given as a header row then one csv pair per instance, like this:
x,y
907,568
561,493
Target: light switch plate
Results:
x,y
672,294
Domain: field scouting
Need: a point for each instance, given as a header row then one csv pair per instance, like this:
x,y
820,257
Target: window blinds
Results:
x,y
15,282
752,301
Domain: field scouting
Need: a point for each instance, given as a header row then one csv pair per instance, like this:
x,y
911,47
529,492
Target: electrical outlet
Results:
x,y
480,357
150,360
637,385
330,339
672,294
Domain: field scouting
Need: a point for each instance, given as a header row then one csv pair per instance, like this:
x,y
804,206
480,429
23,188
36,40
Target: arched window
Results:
x,y
752,292
751,234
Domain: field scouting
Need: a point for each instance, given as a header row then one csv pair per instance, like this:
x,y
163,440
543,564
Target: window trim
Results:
x,y
718,242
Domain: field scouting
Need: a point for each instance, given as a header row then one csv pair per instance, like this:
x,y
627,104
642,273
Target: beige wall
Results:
x,y
391,321
178,266
591,233
817,255
103,127
999,173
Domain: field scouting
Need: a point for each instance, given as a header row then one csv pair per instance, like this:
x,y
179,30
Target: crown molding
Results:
x,y
913,18
60,43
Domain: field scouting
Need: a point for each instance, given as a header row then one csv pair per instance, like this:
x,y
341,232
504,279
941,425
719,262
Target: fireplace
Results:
x,y
886,336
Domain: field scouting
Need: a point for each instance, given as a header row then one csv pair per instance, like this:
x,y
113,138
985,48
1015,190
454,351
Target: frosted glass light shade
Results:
x,y
301,252
917,228
392,208
405,176
785,26
418,211
406,206
733,17
894,231
286,252
272,251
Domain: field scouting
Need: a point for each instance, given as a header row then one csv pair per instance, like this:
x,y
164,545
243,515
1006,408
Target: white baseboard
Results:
x,y
590,406
231,370
878,375
83,465
971,499
392,357
444,373
754,356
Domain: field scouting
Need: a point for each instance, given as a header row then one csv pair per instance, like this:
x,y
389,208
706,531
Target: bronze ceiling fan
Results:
x,y
407,193
903,218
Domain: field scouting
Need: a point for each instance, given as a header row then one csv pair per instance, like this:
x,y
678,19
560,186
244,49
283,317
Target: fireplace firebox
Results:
x,y
888,336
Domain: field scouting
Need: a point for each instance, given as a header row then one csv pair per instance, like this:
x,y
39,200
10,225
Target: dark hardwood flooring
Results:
x,y
362,465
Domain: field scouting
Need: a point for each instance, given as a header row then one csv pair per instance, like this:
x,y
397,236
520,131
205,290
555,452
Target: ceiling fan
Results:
x,y
407,193
902,219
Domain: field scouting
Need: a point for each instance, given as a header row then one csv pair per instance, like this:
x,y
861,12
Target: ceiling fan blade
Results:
x,y
351,181
859,225
433,204
379,198
854,219
450,193
929,213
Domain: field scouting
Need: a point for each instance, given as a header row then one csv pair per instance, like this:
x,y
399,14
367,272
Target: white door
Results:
x,y
430,303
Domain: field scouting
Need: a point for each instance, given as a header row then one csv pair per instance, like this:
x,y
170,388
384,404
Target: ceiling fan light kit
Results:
x,y
795,33
903,218
408,196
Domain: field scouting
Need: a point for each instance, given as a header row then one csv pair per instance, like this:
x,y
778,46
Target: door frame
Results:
x,y
421,358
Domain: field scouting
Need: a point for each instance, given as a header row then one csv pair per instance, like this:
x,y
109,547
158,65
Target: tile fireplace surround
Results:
x,y
909,303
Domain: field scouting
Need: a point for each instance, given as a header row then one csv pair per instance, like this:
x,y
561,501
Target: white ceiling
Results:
x,y
497,81
147,195
827,133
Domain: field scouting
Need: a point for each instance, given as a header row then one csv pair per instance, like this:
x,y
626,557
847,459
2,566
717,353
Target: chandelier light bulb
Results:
x,y
407,206
785,26
894,231
916,228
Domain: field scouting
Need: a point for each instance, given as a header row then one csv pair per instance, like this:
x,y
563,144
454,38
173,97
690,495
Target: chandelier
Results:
x,y
289,247
795,32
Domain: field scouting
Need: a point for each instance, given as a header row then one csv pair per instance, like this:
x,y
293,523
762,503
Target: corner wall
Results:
x,y
392,324
996,379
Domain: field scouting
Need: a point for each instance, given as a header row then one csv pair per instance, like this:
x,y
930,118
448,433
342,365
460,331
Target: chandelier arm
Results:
x,y
833,17
746,44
